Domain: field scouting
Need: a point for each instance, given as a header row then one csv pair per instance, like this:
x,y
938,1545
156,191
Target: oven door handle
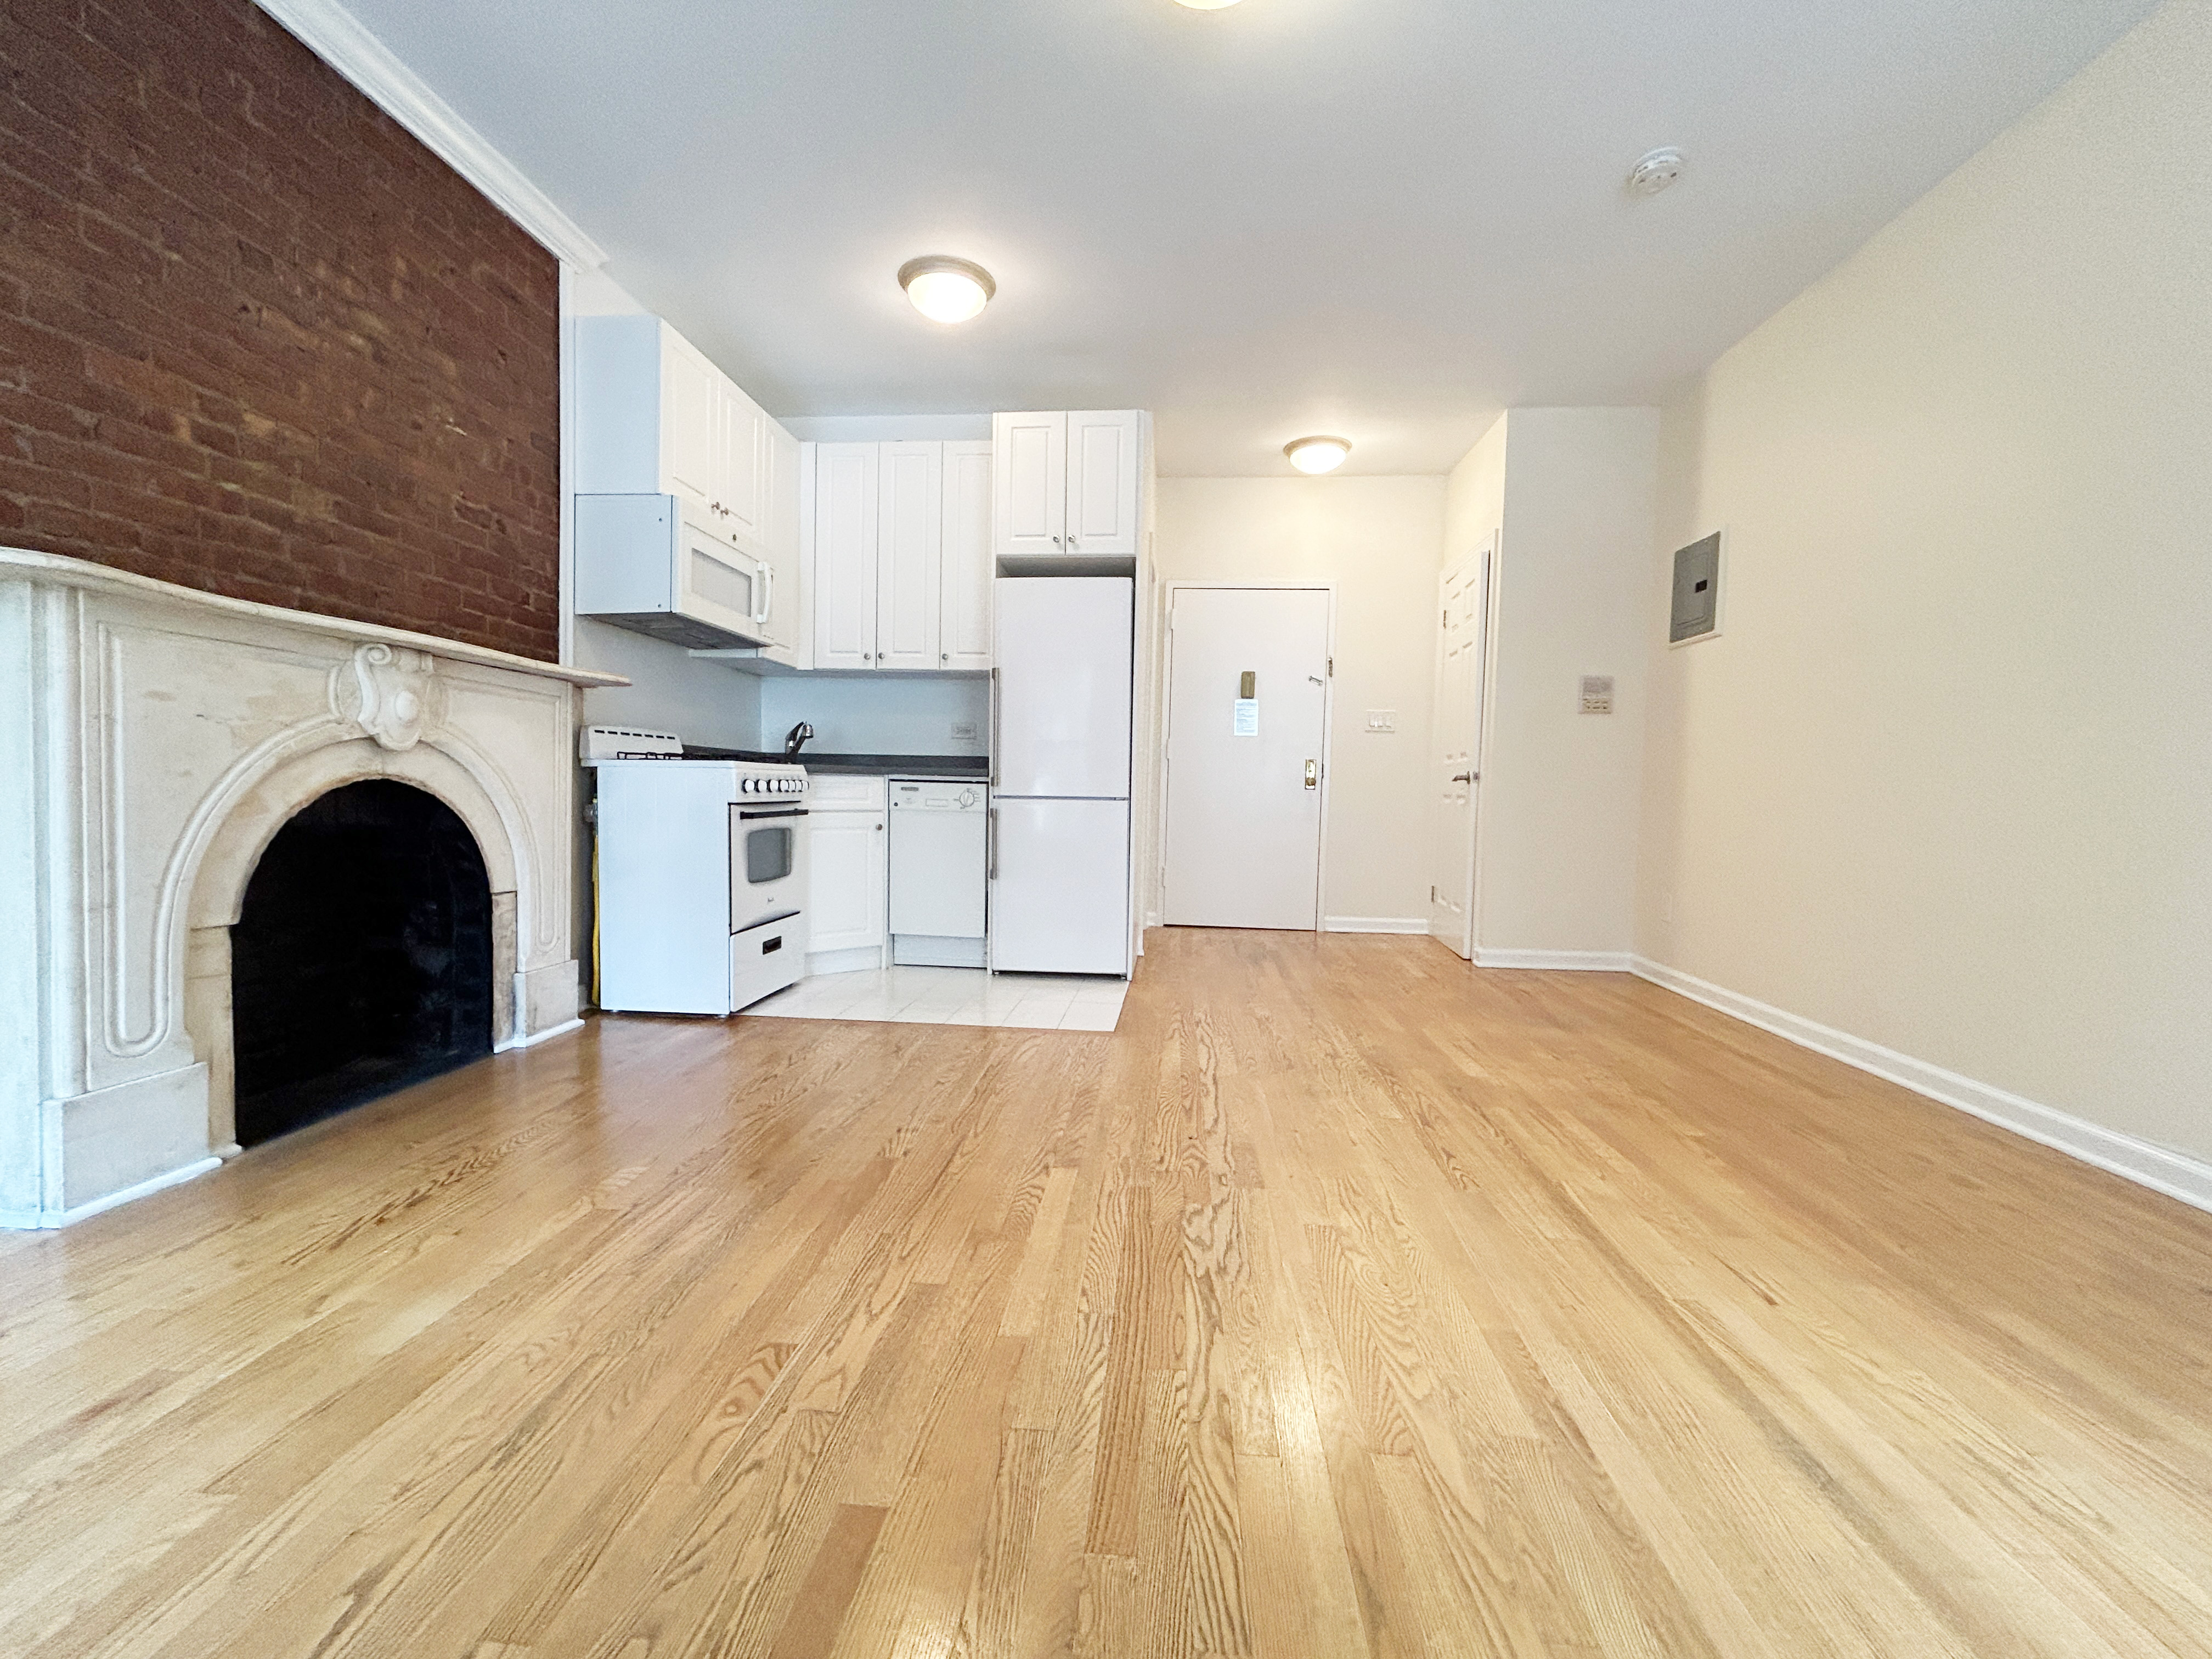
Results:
x,y
774,812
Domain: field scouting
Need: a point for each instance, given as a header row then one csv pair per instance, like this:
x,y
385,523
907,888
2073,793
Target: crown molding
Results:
x,y
339,39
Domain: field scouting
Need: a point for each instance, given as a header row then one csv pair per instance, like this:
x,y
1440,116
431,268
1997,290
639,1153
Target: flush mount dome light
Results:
x,y
946,289
1205,5
1655,171
1317,454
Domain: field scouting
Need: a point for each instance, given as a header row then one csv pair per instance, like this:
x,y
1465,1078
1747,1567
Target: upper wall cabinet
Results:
x,y
1068,482
902,560
655,417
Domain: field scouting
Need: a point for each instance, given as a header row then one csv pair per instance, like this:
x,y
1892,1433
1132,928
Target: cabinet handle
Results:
x,y
1071,541
945,656
1056,541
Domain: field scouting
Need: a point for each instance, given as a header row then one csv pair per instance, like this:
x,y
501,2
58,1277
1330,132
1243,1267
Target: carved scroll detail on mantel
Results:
x,y
394,694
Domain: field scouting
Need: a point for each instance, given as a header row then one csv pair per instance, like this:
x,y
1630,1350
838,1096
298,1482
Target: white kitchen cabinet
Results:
x,y
741,464
847,873
1068,483
909,538
655,417
964,604
900,571
1030,482
844,554
782,534
1105,467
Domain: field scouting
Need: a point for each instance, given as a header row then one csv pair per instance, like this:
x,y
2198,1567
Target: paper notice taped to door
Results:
x,y
1247,724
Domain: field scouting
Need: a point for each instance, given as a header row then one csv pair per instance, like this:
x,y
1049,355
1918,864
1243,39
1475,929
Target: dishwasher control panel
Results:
x,y
925,796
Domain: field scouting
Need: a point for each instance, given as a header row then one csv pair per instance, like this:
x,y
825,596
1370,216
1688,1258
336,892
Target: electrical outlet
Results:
x,y
964,731
1381,719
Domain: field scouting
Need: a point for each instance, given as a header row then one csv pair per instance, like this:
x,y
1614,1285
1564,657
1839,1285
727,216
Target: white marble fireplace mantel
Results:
x,y
153,738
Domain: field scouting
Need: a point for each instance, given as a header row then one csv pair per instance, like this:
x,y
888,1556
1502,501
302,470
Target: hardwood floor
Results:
x,y
1345,1301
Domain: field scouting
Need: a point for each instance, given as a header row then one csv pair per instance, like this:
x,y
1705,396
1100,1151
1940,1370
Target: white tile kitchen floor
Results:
x,y
954,996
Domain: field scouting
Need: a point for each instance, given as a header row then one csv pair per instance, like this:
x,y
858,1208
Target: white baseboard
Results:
x,y
537,1038
28,1220
2161,1169
1373,923
1580,962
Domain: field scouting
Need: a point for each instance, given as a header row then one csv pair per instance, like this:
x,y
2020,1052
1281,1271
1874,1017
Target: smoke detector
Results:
x,y
1653,172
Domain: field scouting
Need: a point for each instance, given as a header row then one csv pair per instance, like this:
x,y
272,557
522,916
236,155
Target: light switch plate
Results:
x,y
1597,694
1381,719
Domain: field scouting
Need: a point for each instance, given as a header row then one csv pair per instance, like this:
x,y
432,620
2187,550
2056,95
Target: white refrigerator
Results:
x,y
1059,756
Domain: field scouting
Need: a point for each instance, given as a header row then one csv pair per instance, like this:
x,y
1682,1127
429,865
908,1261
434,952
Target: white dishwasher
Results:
x,y
940,852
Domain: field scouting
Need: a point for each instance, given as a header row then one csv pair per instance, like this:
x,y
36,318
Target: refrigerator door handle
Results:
x,y
991,844
992,780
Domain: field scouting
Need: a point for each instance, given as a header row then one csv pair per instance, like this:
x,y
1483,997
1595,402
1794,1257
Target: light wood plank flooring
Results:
x,y
1346,1301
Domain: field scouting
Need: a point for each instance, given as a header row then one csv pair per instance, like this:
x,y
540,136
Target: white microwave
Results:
x,y
657,565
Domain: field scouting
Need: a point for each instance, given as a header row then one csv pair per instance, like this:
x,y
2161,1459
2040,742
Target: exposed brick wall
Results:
x,y
255,337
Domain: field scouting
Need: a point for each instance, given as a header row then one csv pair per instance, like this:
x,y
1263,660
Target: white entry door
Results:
x,y
1463,609
1248,710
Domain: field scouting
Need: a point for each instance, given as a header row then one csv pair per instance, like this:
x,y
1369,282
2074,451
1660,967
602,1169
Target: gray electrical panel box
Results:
x,y
1697,590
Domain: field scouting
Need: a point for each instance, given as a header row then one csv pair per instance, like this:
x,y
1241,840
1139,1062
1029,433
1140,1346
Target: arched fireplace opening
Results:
x,y
361,959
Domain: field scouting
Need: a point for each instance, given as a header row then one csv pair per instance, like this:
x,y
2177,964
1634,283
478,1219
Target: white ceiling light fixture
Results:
x,y
946,289
1317,455
1205,5
1656,170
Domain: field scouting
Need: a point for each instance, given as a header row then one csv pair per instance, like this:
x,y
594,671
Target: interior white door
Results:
x,y
1028,483
845,883
1463,610
1105,456
688,418
844,556
1247,712
964,608
909,537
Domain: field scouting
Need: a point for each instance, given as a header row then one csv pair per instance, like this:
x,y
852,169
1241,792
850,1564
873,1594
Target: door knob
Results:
x,y
1463,777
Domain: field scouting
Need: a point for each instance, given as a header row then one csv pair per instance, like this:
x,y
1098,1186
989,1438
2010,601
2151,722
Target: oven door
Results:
x,y
768,864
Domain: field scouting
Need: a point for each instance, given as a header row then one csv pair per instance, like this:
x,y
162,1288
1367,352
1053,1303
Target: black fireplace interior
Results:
x,y
362,960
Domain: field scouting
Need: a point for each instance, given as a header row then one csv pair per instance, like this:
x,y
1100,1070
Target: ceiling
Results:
x,y
1384,218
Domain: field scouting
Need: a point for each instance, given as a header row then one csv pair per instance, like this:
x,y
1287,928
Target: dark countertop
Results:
x,y
886,766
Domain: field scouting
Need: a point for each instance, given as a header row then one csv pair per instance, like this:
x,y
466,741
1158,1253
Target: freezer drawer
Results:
x,y
1060,888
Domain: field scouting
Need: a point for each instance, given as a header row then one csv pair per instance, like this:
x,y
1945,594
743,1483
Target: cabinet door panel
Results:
x,y
964,613
1104,454
910,529
1029,483
844,557
689,418
741,468
845,880
779,533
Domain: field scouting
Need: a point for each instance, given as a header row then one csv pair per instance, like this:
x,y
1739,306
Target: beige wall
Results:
x,y
1573,489
1377,540
1944,782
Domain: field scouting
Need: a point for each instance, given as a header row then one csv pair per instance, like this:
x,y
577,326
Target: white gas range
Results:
x,y
700,875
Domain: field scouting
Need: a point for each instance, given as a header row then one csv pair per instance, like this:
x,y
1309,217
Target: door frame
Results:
x,y
1489,547
1164,773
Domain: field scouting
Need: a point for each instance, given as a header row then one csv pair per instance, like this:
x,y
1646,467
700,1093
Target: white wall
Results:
x,y
1944,782
1377,538
879,715
1555,852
